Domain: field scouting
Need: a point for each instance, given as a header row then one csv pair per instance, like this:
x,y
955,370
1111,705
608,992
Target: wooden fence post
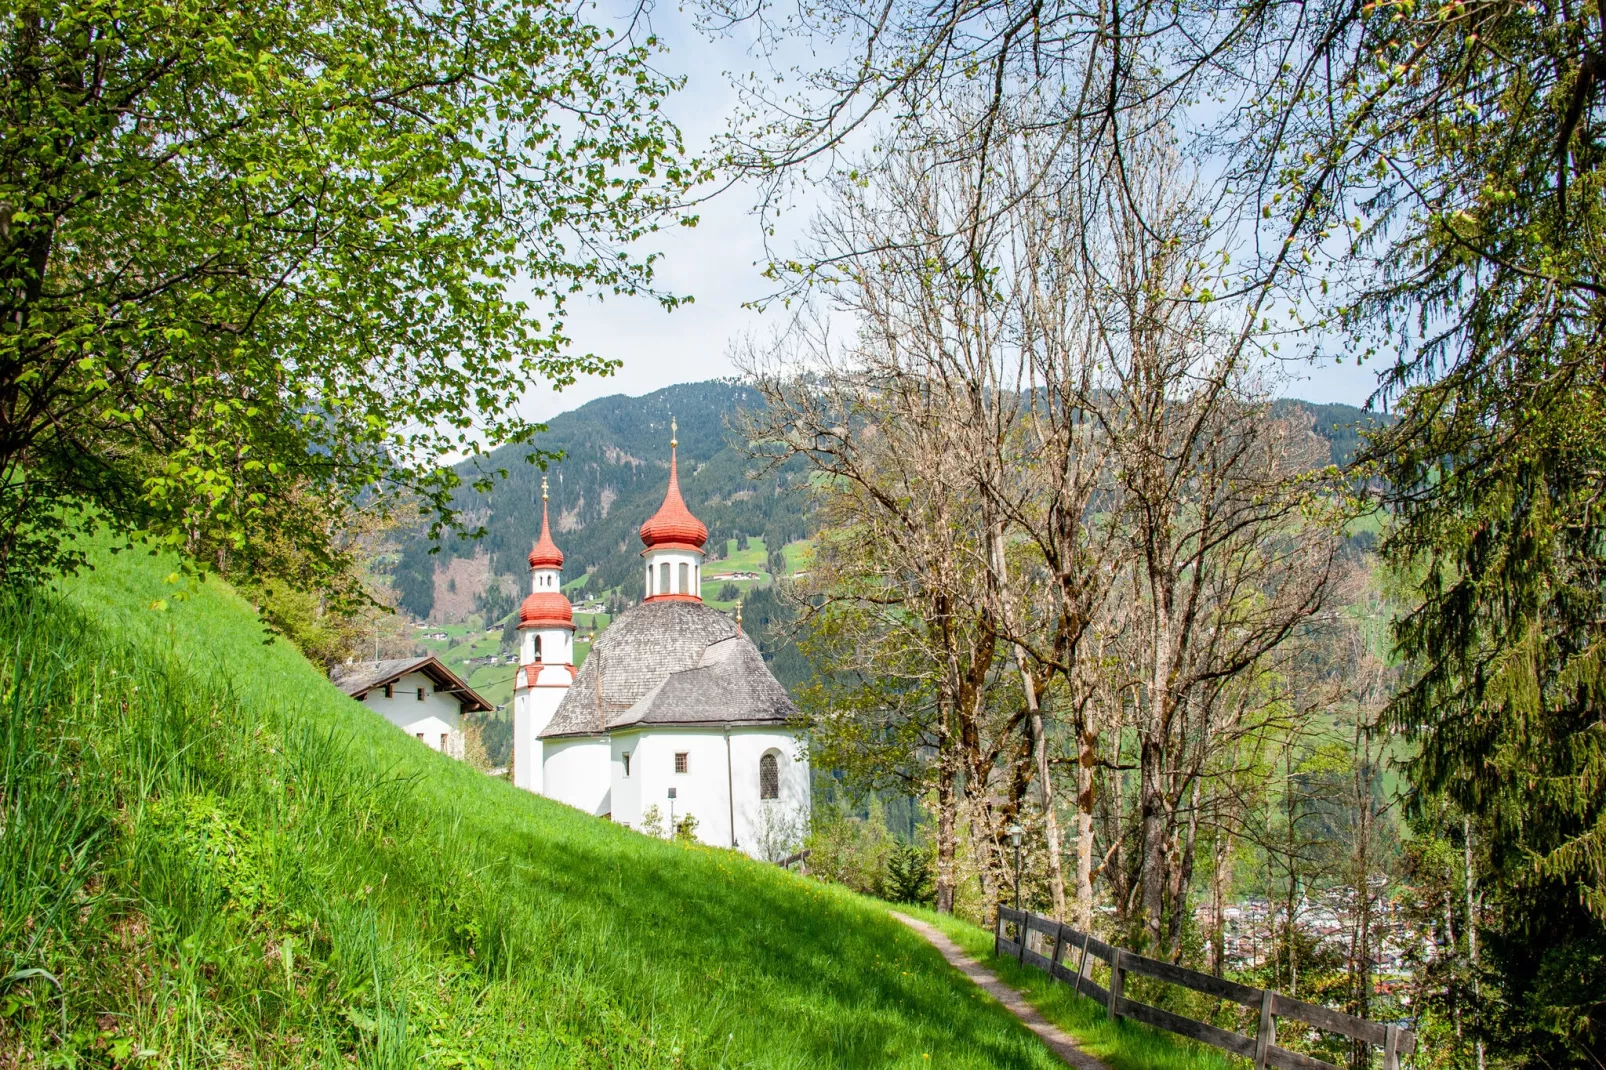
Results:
x,y
1115,984
1266,1036
1391,1047
1023,929
1054,959
1081,966
998,929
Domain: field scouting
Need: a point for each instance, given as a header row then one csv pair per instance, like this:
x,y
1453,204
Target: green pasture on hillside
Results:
x,y
227,862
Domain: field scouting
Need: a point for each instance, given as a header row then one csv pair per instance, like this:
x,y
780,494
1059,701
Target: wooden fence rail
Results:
x,y
1068,943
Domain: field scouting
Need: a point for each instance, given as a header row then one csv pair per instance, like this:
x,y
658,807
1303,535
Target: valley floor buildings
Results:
x,y
673,714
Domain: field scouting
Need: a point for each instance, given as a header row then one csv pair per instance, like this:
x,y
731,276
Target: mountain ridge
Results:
x,y
612,477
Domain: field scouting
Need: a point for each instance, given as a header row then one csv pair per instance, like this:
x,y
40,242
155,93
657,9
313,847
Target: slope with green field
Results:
x,y
224,861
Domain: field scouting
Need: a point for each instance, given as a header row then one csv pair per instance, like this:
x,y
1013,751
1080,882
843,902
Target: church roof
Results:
x,y
670,662
673,527
730,685
546,553
360,678
546,609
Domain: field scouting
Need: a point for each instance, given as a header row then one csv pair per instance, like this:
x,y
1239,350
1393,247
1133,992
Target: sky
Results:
x,y
719,262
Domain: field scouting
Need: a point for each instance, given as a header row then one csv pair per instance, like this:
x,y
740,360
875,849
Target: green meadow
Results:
x,y
211,857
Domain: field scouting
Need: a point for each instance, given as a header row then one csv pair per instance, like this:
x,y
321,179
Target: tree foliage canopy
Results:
x,y
258,260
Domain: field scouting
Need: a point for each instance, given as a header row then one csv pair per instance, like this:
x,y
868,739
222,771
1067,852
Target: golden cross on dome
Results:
x,y
673,431
543,488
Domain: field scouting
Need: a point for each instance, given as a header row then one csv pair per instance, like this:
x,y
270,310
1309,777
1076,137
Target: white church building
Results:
x,y
674,708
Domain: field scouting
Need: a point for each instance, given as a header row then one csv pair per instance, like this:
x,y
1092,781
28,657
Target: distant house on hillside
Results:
x,y
421,696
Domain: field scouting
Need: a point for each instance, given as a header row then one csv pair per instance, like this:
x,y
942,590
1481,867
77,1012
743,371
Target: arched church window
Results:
x,y
663,578
769,777
538,648
685,578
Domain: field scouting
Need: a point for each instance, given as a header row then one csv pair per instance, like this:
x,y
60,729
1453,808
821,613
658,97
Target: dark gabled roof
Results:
x,y
359,679
730,685
646,651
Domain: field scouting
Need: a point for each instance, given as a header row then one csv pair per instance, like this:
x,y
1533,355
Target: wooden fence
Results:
x,y
1069,944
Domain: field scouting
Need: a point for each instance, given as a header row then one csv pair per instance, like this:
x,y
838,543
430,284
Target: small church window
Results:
x,y
680,761
685,578
420,737
538,648
389,691
443,742
421,694
769,778
627,763
663,578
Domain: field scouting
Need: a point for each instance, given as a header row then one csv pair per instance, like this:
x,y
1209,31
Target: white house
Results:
x,y
421,696
674,707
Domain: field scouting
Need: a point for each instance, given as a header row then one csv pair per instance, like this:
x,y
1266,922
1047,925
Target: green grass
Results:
x,y
226,862
1123,1044
753,559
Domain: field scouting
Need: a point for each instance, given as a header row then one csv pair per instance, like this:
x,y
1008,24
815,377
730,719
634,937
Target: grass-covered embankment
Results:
x,y
1123,1044
225,861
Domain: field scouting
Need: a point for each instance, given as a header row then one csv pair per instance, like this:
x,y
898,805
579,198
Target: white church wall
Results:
x,y
710,790
532,711
556,646
436,714
659,582
766,826
626,790
576,773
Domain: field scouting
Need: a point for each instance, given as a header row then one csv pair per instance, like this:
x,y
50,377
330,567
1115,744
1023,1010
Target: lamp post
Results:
x,y
1014,837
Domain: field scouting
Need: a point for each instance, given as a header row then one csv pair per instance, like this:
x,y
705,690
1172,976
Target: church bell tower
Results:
x,y
546,655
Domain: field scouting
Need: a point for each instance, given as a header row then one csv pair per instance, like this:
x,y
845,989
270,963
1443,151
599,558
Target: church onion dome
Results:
x,y
673,527
546,553
546,609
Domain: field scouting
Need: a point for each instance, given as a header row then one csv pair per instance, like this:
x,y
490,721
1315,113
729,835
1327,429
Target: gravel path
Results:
x,y
1058,1041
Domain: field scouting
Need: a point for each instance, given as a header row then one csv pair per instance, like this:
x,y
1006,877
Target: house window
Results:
x,y
443,742
389,692
627,764
680,761
663,578
769,777
685,578
421,694
420,737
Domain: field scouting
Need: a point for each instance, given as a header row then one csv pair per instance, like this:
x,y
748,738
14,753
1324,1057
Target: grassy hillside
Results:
x,y
226,862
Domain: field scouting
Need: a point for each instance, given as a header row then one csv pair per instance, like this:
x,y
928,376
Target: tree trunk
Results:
x,y
1184,876
1087,735
1218,904
1151,803
947,824
1045,785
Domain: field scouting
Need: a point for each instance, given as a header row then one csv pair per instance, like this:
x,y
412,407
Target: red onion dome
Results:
x,y
546,553
546,609
673,527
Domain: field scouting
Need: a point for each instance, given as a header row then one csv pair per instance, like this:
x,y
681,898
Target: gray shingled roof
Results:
x,y
362,677
670,663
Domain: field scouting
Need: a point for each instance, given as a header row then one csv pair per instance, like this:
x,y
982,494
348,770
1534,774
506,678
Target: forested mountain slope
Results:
x,y
612,477
209,856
